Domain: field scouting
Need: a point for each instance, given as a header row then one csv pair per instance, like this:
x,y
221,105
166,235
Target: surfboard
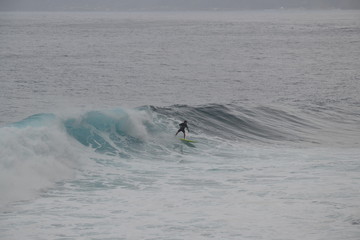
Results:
x,y
187,140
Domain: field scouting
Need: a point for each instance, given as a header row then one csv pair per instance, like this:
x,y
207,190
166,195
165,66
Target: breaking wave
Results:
x,y
45,148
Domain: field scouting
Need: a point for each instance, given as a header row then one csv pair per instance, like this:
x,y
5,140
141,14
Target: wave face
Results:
x,y
109,132
269,125
46,148
126,132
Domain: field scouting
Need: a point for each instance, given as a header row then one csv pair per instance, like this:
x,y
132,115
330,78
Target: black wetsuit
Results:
x,y
182,127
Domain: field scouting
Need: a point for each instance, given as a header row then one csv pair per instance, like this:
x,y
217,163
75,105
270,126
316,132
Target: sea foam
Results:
x,y
34,156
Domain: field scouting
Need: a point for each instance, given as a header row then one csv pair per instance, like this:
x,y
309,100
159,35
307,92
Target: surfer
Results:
x,y
182,128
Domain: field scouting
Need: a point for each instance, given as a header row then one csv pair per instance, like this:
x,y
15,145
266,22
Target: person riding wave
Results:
x,y
182,128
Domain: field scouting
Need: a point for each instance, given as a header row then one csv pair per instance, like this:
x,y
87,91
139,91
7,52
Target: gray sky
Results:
x,y
123,5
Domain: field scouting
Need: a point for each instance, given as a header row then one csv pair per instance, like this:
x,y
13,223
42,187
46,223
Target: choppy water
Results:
x,y
90,103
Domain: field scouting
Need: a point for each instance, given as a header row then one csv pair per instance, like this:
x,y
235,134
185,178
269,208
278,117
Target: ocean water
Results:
x,y
90,103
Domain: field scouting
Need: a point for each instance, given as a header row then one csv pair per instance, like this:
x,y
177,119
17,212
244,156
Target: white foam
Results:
x,y
34,158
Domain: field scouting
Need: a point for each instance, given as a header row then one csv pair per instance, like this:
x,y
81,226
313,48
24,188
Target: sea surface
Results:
x,y
90,104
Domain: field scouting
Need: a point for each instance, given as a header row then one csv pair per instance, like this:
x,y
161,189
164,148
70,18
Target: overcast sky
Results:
x,y
124,5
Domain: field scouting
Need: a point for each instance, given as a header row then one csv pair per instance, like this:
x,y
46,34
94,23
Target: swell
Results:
x,y
305,125
147,129
126,131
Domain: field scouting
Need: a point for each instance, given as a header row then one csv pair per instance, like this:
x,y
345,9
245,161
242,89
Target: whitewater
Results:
x,y
91,102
